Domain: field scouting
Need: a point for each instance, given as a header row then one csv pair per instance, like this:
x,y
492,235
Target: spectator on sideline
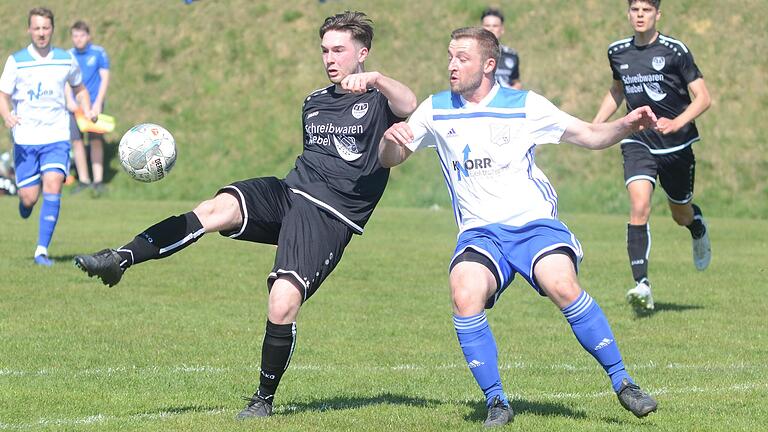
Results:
x,y
94,65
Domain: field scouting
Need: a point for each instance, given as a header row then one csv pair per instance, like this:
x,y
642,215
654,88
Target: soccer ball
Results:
x,y
147,152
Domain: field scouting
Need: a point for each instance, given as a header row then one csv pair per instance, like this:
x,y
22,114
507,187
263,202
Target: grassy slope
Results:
x,y
228,79
173,349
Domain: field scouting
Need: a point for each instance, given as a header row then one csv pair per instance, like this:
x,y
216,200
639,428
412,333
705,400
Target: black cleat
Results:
x,y
634,400
257,407
104,264
499,413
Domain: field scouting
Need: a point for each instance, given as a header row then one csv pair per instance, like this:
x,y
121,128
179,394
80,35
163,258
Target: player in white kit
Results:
x,y
506,209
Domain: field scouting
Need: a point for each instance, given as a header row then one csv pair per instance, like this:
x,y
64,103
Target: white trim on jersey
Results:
x,y
335,212
640,177
243,206
675,41
661,151
620,42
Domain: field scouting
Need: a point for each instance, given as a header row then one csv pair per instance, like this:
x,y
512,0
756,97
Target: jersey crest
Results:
x,y
658,63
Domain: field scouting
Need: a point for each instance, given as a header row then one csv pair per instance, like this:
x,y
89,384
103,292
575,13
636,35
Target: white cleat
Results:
x,y
640,296
702,251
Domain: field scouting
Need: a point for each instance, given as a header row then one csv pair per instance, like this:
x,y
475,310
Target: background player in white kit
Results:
x,y
32,105
506,209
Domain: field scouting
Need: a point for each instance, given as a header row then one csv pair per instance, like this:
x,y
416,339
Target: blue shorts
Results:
x,y
516,249
33,160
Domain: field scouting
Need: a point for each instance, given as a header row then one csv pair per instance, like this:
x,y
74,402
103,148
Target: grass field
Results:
x,y
175,345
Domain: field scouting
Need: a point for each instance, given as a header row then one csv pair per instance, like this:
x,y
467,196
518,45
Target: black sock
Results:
x,y
638,247
162,239
697,227
279,342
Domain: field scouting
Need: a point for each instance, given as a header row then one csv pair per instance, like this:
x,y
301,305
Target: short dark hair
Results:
x,y
357,23
492,12
40,11
655,3
80,25
489,45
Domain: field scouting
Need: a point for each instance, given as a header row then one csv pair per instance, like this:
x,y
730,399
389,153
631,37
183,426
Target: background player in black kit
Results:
x,y
656,70
508,66
312,213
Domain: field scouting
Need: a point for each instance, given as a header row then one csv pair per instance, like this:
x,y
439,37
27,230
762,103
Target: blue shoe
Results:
x,y
24,211
43,260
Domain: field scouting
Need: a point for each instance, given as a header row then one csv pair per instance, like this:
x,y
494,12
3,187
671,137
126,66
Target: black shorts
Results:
x,y
310,241
676,170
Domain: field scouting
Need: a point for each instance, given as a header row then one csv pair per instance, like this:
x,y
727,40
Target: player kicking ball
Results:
x,y
506,209
310,215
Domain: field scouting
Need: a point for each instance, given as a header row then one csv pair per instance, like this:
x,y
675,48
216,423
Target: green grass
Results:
x,y
228,79
176,344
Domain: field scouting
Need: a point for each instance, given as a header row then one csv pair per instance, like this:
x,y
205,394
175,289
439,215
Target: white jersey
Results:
x,y
36,86
487,152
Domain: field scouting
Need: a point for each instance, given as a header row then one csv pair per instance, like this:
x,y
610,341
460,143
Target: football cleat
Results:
x,y
702,251
634,400
499,413
257,407
24,212
640,296
43,260
104,264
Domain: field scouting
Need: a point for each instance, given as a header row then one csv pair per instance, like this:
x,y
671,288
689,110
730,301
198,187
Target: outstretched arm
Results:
x,y
596,136
701,102
402,101
610,103
392,148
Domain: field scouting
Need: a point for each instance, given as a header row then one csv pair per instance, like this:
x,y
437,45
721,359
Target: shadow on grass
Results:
x,y
346,403
667,307
479,410
181,410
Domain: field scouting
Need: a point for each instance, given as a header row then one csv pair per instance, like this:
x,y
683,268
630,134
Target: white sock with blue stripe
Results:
x,y
479,348
591,328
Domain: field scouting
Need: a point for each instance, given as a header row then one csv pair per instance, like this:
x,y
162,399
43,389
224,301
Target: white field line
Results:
x,y
102,418
207,369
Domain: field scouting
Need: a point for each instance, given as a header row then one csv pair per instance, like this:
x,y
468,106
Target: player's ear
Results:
x,y
362,54
489,65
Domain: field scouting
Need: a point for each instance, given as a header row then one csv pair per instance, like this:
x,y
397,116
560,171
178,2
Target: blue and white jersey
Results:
x,y
92,59
36,86
487,152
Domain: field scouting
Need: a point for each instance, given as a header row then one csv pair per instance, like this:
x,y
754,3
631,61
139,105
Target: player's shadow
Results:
x,y
480,411
181,410
347,403
62,258
110,153
666,307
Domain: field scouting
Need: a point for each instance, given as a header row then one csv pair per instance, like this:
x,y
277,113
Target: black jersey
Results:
x,y
508,67
656,75
339,169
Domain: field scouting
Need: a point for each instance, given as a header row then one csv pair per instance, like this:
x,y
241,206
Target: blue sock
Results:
x,y
49,215
479,348
591,328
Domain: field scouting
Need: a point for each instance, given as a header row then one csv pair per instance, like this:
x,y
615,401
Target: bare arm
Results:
x,y
392,148
402,101
596,136
98,103
701,102
611,102
71,104
9,119
84,101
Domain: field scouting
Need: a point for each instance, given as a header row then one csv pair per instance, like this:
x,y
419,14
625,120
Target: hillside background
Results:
x,y
228,78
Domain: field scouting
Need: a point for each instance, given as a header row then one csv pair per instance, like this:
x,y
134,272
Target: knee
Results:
x,y
563,292
284,302
467,300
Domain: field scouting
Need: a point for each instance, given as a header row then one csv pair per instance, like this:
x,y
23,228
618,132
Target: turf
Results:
x,y
177,343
